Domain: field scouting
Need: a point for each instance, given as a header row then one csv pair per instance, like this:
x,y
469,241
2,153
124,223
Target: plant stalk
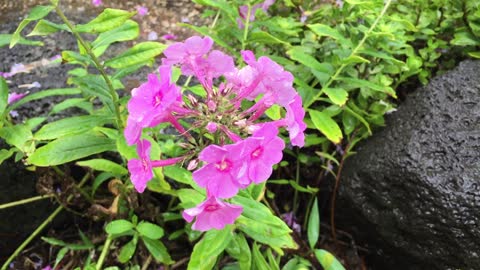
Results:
x,y
354,52
103,255
25,201
247,25
97,63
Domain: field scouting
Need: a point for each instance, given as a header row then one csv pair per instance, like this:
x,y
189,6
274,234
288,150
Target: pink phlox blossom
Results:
x,y
141,169
12,97
188,54
270,79
152,103
212,214
212,127
219,174
243,11
142,10
261,152
193,60
97,3
294,121
48,267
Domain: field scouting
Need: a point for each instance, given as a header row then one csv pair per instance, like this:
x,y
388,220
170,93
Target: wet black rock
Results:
x,y
413,190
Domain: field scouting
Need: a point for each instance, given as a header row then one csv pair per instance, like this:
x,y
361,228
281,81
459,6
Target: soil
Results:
x,y
163,18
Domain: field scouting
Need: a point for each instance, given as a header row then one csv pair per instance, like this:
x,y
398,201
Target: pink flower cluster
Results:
x,y
242,146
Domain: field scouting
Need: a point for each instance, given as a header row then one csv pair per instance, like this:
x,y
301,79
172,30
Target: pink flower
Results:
x,y
151,103
141,169
211,127
212,214
261,152
219,175
188,54
12,97
243,11
294,121
142,10
97,3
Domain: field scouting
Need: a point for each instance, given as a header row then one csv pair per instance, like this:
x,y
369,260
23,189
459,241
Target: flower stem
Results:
x,y
41,227
245,31
103,255
25,201
354,52
98,65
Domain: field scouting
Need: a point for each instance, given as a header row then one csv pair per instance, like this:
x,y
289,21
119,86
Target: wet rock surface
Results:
x,y
413,190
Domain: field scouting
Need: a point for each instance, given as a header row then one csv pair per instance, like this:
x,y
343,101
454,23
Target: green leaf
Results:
x,y
107,20
127,251
54,241
5,154
3,96
70,148
258,259
327,260
474,54
326,125
45,27
102,177
103,165
205,252
128,31
43,94
6,38
158,250
72,102
17,135
36,13
190,197
465,38
357,83
178,174
70,126
313,231
118,227
298,54
238,248
337,95
353,59
61,253
150,230
137,54
265,38
325,30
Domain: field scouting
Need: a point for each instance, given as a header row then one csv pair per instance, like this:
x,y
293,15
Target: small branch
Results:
x,y
103,255
247,25
147,263
25,201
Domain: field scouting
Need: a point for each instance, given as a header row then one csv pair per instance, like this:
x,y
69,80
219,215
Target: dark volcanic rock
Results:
x,y
414,188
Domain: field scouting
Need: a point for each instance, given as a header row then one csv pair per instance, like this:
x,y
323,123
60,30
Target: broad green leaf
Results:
x,y
118,227
223,5
238,248
107,20
258,259
274,112
298,54
465,38
5,154
128,31
325,30
3,96
102,177
122,72
73,102
337,95
326,125
125,150
353,59
70,148
150,230
190,197
45,27
265,38
137,54
36,13
72,57
127,251
32,123
313,231
178,174
16,135
70,126
6,38
43,94
474,54
205,252
358,117
357,83
327,260
158,250
103,165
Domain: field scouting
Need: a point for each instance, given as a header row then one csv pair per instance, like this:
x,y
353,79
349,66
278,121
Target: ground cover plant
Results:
x,y
279,91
